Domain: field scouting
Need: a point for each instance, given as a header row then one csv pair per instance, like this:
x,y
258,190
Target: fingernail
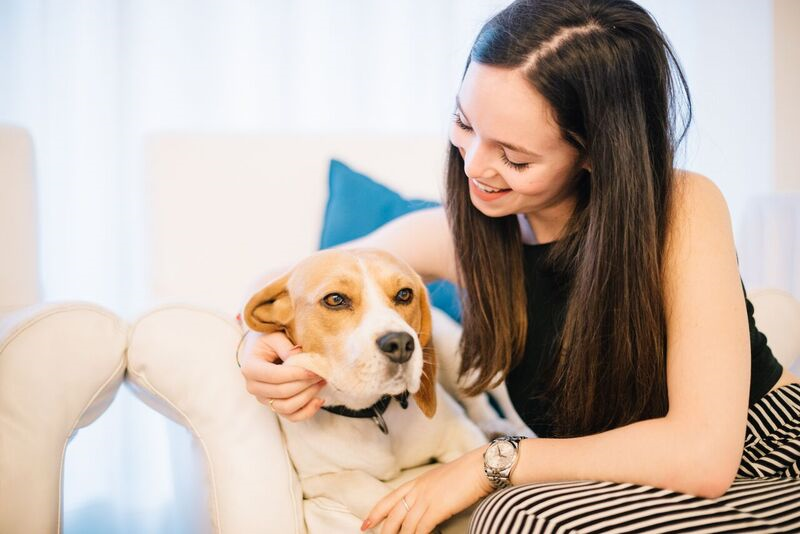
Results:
x,y
320,402
322,382
365,524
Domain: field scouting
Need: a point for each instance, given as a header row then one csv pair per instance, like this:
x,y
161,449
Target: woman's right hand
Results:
x,y
291,389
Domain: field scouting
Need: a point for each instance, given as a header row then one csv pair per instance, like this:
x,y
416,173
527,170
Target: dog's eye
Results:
x,y
404,296
334,300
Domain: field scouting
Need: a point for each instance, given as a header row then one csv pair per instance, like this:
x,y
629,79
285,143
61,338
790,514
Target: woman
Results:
x,y
601,282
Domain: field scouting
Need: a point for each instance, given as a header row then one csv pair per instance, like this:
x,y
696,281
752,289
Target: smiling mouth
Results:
x,y
486,189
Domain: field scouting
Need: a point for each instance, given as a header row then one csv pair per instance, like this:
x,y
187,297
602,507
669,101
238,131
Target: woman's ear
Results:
x,y
271,309
426,396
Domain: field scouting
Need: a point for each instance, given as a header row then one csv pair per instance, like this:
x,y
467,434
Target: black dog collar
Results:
x,y
375,411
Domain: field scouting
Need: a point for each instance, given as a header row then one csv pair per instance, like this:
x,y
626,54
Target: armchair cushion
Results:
x,y
777,315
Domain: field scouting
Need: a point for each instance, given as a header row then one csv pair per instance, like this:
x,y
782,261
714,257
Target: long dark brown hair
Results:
x,y
610,77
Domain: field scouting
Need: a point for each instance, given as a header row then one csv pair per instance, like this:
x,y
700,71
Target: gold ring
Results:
x,y
270,405
405,504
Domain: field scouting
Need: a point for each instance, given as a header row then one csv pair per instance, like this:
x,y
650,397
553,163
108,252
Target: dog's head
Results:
x,y
363,319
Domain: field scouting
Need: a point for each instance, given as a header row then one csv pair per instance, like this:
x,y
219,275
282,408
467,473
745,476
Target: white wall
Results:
x,y
726,50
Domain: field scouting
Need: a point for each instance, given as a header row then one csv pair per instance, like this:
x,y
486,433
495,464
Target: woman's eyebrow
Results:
x,y
509,146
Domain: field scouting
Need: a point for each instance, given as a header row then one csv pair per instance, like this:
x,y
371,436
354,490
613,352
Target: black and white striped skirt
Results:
x,y
764,497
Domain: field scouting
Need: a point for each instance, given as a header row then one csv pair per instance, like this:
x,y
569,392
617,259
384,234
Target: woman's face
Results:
x,y
511,144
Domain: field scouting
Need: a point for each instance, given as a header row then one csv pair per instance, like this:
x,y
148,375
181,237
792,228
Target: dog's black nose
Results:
x,y
398,346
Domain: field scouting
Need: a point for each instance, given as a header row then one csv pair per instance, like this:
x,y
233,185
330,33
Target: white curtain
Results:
x,y
90,79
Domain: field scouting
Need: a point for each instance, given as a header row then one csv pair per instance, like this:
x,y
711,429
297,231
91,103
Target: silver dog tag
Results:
x,y
378,418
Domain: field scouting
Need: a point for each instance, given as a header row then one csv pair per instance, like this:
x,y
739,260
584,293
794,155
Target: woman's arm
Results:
x,y
421,238
697,447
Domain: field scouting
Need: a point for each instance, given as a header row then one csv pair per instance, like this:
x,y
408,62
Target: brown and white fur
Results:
x,y
343,338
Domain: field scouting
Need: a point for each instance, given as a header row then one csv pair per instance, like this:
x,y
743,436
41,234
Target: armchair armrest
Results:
x,y
60,366
181,362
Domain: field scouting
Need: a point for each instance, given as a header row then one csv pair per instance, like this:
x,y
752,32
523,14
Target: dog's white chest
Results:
x,y
331,442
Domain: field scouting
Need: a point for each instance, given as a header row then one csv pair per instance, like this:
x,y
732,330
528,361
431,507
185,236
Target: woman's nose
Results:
x,y
477,162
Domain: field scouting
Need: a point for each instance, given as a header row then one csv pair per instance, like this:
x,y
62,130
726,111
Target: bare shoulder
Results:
x,y
698,205
700,253
692,189
421,238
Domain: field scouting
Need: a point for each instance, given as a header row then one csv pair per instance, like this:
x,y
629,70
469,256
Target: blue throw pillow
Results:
x,y
357,205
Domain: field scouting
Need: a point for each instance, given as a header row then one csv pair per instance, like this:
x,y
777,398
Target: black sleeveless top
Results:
x,y
546,296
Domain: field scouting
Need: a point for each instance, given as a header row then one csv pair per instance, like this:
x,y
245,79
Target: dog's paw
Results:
x,y
495,428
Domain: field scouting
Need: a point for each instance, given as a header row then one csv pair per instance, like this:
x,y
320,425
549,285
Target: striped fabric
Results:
x,y
764,497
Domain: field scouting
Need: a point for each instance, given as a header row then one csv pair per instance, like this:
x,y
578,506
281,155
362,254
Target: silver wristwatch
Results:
x,y
500,458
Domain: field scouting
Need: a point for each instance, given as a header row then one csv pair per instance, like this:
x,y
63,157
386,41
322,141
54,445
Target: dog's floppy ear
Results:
x,y
271,310
426,396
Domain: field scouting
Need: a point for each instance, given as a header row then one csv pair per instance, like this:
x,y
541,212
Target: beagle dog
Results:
x,y
363,319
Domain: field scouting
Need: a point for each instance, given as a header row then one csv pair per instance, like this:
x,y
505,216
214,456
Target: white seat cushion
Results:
x,y
777,315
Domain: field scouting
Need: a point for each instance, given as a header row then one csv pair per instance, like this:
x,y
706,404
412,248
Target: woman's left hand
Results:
x,y
432,497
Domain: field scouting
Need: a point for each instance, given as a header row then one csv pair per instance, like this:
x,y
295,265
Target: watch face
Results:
x,y
500,455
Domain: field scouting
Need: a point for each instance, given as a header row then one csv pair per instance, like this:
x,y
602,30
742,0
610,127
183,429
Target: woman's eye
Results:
x,y
460,124
515,166
334,300
404,296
